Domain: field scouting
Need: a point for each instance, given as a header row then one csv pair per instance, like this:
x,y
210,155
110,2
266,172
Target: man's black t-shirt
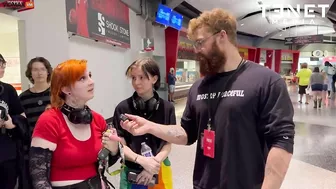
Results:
x,y
254,114
10,100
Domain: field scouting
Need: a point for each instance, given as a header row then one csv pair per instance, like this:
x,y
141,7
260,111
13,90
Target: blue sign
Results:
x,y
166,16
163,15
176,20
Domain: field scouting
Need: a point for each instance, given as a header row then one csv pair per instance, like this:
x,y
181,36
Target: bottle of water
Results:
x,y
146,150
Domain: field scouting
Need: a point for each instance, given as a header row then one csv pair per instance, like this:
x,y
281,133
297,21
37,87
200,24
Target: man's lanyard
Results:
x,y
211,116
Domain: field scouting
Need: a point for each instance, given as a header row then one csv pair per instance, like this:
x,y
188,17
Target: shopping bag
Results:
x,y
308,90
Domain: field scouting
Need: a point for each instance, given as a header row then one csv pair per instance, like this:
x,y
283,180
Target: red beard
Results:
x,y
210,64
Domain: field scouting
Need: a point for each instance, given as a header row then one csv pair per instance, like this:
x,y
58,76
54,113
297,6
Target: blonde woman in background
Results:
x,y
303,76
316,84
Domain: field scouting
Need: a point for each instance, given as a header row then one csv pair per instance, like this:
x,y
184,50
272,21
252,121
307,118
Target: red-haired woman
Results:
x,y
68,137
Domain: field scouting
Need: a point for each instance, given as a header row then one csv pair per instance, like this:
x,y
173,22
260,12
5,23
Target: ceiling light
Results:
x,y
266,32
280,35
241,24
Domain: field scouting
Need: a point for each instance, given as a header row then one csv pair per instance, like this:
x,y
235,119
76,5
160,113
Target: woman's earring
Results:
x,y
69,94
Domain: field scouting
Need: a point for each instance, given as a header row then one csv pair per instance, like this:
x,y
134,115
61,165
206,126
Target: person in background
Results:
x,y
34,101
316,82
244,130
330,70
333,82
13,131
303,76
171,84
145,102
68,137
325,86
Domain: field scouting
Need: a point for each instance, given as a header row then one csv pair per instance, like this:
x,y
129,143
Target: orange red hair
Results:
x,y
65,74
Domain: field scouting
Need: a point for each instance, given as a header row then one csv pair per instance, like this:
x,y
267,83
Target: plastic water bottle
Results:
x,y
146,150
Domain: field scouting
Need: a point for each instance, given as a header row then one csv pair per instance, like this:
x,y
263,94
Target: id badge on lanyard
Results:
x,y
209,142
208,137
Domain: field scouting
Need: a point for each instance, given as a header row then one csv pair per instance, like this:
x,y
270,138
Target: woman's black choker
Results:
x,y
77,115
70,108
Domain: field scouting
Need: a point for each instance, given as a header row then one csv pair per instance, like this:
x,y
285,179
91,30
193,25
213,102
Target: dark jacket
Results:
x,y
23,138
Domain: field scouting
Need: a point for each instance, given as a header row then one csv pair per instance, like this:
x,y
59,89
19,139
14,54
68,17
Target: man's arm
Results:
x,y
175,134
171,133
186,134
276,121
276,168
297,77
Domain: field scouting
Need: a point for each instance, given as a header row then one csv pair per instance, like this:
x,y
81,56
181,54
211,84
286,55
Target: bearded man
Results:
x,y
240,113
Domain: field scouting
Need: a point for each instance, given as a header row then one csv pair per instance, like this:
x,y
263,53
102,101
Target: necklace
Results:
x,y
40,101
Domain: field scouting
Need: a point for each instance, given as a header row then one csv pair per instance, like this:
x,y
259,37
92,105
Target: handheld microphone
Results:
x,y
3,115
123,117
104,152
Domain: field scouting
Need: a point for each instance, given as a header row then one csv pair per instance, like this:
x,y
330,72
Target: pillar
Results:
x,y
277,60
295,63
251,54
257,55
171,38
269,58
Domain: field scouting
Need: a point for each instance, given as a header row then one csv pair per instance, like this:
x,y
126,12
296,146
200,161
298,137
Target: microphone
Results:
x,y
3,116
104,152
123,117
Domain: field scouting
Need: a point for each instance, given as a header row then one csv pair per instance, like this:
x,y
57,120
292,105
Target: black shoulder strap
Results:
x,y
2,88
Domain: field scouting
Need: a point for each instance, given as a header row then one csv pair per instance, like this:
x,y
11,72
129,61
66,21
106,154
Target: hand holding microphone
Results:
x,y
110,142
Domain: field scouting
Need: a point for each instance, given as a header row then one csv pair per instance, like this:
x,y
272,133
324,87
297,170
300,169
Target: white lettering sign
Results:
x,y
279,9
284,15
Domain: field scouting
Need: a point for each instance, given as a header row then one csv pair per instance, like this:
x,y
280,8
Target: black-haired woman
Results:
x,y
144,171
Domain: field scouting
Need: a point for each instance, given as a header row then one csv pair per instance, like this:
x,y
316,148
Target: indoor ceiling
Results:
x,y
251,21
8,24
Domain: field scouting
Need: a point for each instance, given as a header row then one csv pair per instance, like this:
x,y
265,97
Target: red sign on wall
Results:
x,y
102,20
19,5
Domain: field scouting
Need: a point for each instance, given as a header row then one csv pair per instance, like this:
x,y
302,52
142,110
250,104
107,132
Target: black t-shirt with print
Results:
x,y
254,114
9,99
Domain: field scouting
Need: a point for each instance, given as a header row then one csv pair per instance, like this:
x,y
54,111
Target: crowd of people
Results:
x,y
316,83
244,133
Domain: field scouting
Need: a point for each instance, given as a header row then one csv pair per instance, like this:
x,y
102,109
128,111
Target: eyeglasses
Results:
x,y
199,43
2,65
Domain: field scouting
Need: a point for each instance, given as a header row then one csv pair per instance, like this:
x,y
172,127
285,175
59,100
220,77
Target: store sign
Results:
x,y
303,40
186,46
186,51
148,44
19,5
106,21
286,57
168,17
